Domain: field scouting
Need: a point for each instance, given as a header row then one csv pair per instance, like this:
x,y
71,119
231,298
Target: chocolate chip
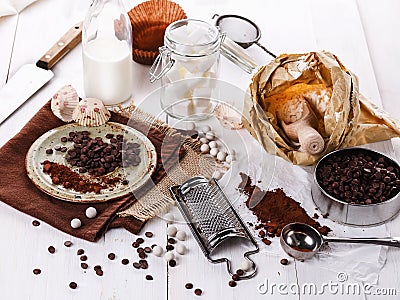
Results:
x,y
171,241
136,265
73,285
111,256
139,250
64,139
172,263
235,277
284,261
37,271
83,258
135,245
240,272
142,255
35,223
80,251
149,277
198,292
147,249
99,272
49,151
97,267
67,243
51,249
139,240
148,234
84,266
125,261
169,247
232,283
189,286
143,264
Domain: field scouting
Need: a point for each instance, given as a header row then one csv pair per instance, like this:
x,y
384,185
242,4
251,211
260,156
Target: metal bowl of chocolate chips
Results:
x,y
357,186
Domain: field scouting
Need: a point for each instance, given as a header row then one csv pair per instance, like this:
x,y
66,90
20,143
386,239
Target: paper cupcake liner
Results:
x,y
64,102
91,112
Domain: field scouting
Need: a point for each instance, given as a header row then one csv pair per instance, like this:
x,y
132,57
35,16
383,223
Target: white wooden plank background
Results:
x,y
362,33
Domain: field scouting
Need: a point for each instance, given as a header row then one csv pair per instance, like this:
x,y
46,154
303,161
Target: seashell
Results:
x,y
228,116
149,21
91,112
64,102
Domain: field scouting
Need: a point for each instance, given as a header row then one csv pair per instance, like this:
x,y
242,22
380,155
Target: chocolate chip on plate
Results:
x,y
73,285
51,249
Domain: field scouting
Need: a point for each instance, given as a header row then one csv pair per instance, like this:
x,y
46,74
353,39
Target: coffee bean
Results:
x,y
169,247
49,151
139,240
148,234
149,277
35,223
232,283
99,272
325,215
240,272
111,256
198,292
37,271
51,249
84,266
73,285
189,286
266,241
135,244
136,265
284,261
125,261
143,264
83,258
97,267
67,243
172,263
235,277
171,241
142,255
147,249
80,251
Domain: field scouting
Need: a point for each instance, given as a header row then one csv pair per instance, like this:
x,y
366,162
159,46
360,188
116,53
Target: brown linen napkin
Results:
x,y
18,191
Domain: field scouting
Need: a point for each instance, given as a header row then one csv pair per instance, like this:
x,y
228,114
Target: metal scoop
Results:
x,y
302,241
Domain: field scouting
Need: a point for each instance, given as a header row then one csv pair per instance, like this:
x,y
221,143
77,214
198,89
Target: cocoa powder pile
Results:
x,y
275,210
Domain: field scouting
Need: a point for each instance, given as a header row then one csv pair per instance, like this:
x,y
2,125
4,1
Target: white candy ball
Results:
x,y
169,218
181,249
203,140
181,235
204,148
76,223
158,251
91,212
168,256
206,129
230,158
214,152
246,265
190,126
217,175
213,144
210,135
171,231
221,155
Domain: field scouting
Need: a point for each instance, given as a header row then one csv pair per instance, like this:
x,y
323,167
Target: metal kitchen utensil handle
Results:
x,y
65,44
156,70
388,241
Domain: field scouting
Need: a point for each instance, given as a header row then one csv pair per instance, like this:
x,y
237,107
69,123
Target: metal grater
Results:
x,y
211,218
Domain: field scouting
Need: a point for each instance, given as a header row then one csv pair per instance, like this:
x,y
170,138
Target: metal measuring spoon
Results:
x,y
302,241
240,30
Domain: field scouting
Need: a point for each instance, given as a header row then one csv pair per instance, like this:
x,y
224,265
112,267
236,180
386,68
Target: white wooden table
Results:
x,y
364,35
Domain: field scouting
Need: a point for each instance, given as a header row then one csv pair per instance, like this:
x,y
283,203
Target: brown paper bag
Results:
x,y
345,117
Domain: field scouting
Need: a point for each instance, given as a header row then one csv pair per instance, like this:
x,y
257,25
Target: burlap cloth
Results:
x,y
177,160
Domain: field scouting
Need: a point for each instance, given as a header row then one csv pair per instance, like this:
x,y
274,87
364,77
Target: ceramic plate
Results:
x,y
137,176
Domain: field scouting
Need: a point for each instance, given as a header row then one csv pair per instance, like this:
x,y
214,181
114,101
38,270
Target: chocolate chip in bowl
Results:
x,y
357,186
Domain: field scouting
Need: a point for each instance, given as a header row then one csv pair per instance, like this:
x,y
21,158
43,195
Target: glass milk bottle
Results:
x,y
107,52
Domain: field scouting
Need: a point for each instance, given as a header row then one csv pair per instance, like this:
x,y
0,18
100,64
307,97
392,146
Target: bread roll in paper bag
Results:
x,y
345,117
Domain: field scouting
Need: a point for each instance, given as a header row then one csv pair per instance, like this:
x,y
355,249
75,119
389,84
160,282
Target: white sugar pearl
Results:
x,y
190,126
158,251
221,155
168,256
217,175
171,231
169,218
203,140
214,152
246,265
91,212
204,148
230,158
76,223
206,129
213,144
181,249
181,235
210,135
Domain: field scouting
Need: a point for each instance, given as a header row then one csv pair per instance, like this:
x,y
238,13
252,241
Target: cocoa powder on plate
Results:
x,y
276,209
